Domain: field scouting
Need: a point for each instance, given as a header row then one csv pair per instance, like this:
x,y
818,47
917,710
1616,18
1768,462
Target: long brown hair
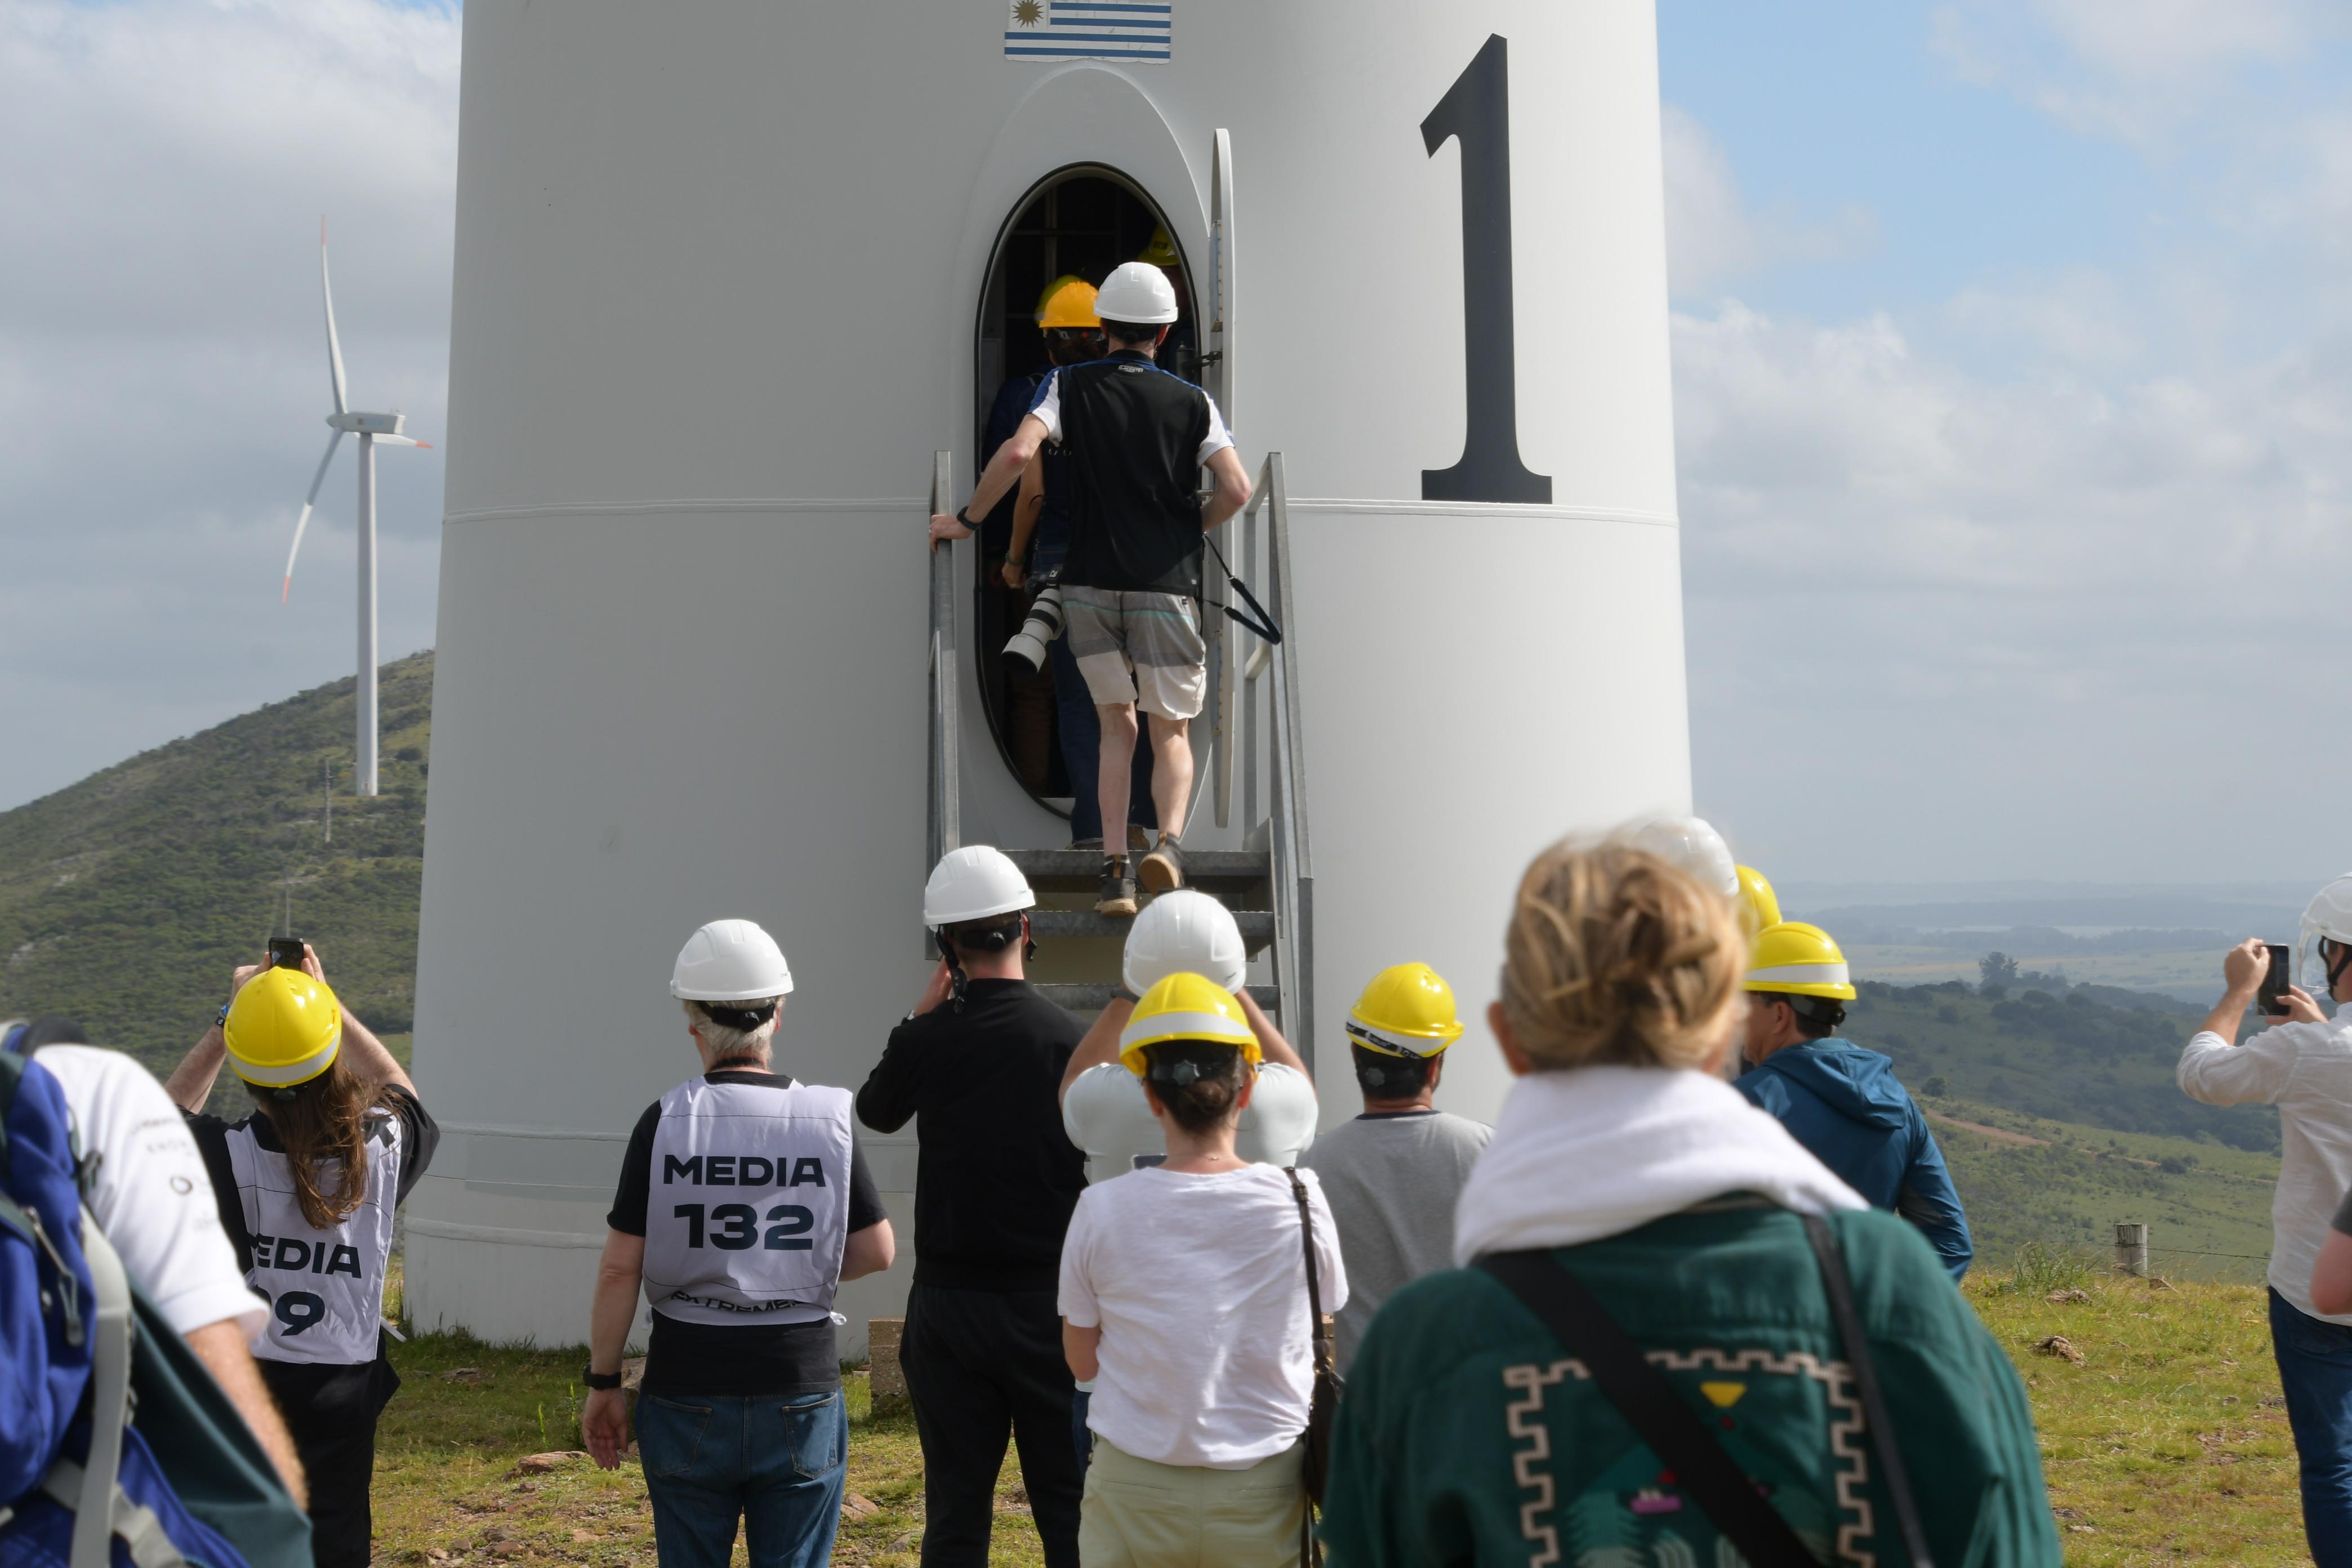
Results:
x,y
323,1127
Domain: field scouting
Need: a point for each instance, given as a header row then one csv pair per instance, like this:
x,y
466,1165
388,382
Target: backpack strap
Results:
x,y
1659,1416
94,1497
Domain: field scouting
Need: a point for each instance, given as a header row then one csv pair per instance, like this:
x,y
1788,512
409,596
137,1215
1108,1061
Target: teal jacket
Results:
x,y
1467,1437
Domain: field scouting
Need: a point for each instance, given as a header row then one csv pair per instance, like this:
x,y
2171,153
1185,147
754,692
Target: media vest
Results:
x,y
325,1287
748,1206
1133,432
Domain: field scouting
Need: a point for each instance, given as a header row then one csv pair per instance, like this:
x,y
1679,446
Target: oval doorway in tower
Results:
x,y
1078,222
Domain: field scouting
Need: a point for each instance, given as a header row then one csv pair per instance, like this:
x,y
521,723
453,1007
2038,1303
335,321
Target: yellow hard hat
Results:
x,y
1186,1007
283,1028
1162,251
1406,1011
1069,302
1801,960
1759,905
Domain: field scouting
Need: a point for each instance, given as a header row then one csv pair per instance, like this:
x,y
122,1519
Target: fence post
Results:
x,y
2131,1248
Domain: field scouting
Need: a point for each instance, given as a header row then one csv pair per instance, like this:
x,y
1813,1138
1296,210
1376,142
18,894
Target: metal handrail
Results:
x,y
944,813
1283,827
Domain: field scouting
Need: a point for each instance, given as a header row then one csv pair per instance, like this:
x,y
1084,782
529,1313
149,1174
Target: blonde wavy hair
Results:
x,y
1615,957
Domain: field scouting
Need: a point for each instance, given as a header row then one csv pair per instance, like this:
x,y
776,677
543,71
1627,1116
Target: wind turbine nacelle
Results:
x,y
368,424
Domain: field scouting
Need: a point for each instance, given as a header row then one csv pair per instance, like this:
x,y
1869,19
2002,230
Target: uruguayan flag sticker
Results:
x,y
1089,30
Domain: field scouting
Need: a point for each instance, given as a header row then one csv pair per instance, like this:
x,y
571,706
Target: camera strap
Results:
x,y
1263,624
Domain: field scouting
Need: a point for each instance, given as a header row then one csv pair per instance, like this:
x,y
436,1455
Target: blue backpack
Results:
x,y
84,1487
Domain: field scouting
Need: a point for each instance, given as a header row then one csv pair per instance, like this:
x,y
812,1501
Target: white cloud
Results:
x,y
1713,236
2131,70
163,371
1943,622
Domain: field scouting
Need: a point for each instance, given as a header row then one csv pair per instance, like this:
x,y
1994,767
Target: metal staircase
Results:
x,y
1268,883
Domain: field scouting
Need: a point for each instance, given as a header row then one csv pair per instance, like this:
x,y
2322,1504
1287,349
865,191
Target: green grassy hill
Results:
x,y
2099,1058
125,899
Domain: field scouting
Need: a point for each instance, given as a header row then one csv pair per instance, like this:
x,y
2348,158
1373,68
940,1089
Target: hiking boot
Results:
x,y
1118,891
1162,870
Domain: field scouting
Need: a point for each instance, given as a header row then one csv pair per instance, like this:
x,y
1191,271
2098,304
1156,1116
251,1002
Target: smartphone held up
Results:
x,y
2269,997
285,953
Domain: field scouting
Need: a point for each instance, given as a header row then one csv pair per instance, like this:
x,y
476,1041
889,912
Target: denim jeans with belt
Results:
x,y
2314,1363
777,1463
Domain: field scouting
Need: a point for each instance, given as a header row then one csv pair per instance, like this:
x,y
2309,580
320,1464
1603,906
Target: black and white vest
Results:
x,y
748,1202
325,1287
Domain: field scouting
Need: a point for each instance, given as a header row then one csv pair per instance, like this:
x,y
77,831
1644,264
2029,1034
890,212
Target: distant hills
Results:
x,y
126,898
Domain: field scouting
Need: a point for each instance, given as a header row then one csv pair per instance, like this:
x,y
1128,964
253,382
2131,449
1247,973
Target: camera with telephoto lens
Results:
x,y
1044,624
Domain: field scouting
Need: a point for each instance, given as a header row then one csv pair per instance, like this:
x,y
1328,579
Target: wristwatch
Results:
x,y
220,1019
592,1378
962,519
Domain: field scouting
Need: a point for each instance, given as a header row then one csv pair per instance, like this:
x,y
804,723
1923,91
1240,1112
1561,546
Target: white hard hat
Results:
x,y
2329,915
730,961
1137,291
1694,846
971,884
1185,932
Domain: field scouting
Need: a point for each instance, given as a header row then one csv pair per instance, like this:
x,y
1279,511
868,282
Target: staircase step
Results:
x,y
1257,925
1080,870
1081,998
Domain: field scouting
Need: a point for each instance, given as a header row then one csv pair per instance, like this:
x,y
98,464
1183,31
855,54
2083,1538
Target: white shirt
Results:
x,y
2305,1069
1047,410
1104,1114
1198,1285
151,1193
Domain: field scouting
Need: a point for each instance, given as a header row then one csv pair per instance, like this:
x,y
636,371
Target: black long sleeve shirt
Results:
x,y
997,1176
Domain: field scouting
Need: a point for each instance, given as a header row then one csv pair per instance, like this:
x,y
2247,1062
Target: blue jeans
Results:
x,y
2314,1363
776,1463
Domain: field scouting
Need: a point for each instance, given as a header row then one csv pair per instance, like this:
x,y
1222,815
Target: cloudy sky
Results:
x,y
2013,372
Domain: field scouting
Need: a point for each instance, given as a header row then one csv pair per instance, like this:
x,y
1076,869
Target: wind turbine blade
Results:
x,y
334,347
401,441
303,522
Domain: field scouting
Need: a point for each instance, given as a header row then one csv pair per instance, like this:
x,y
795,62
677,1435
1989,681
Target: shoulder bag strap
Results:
x,y
1649,1403
1839,1288
1322,1347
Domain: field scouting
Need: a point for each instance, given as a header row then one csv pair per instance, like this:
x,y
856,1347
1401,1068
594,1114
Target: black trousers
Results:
x,y
983,1365
330,1413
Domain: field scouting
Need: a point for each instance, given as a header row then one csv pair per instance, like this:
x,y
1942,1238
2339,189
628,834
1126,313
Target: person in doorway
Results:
x,y
1104,1108
1843,1102
307,1185
1181,351
1041,544
1624,1174
975,1065
1138,437
1394,1173
766,1207
2302,1063
1185,1297
151,1196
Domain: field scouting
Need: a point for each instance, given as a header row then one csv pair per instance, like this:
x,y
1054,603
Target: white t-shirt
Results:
x,y
1104,1114
151,1193
1198,1285
1047,410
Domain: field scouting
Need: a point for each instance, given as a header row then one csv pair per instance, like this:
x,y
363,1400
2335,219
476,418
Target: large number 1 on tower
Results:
x,y
1478,110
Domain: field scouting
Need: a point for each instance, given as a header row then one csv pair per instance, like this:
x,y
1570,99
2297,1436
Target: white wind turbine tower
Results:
x,y
370,428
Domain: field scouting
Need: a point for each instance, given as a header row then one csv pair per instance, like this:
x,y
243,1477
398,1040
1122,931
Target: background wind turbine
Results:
x,y
370,428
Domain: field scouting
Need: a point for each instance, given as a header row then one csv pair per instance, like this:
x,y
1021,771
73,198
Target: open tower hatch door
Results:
x,y
1217,352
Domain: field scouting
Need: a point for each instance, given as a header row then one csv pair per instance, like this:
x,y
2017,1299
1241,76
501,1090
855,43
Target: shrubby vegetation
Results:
x,y
126,898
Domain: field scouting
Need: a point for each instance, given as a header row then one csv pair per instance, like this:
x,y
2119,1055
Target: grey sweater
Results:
x,y
1393,1181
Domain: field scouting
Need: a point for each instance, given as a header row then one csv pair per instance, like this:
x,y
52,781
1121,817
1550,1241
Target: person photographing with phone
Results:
x,y
2300,1061
306,1184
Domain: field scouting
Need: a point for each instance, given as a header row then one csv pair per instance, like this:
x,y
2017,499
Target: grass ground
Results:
x,y
2168,1443
447,1492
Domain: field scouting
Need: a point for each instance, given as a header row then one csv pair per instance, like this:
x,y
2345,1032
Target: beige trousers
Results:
x,y
1140,1514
